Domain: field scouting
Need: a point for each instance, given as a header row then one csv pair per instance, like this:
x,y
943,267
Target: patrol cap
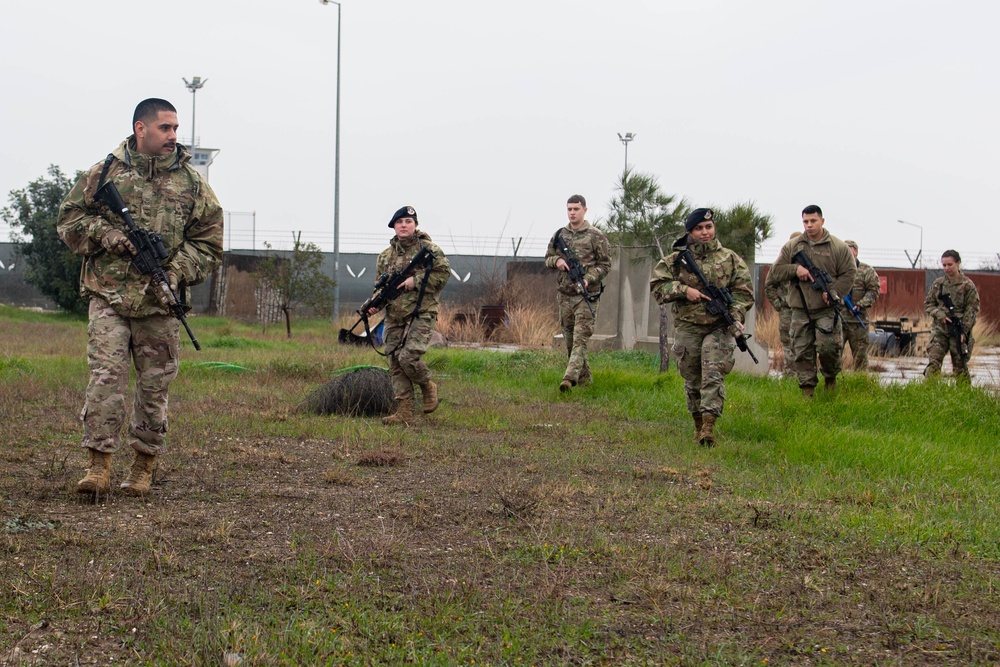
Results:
x,y
697,216
852,244
404,212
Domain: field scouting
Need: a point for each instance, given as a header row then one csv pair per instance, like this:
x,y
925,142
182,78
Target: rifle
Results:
x,y
576,270
149,254
849,302
721,299
387,289
822,282
956,329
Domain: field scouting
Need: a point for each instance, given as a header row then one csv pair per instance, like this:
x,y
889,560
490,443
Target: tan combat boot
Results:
x,y
140,477
429,392
697,426
707,424
98,478
404,412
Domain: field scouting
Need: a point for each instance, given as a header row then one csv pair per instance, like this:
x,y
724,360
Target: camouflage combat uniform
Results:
x,y
965,298
406,364
703,345
778,296
167,196
815,328
592,248
864,294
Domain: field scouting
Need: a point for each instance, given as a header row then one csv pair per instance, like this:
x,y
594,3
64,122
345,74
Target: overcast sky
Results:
x,y
487,116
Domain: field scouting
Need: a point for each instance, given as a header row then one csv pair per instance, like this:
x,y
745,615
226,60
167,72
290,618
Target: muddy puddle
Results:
x,y
985,366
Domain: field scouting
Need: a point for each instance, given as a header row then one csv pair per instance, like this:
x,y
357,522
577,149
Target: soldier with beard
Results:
x,y
131,322
703,345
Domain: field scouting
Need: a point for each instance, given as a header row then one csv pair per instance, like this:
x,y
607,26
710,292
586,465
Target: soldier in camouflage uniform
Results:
x,y
816,328
592,249
778,296
703,345
965,299
864,294
410,318
130,321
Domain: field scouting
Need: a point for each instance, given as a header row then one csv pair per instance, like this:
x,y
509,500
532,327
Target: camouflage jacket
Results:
x,y
164,195
591,247
864,293
964,296
828,253
722,267
775,292
396,257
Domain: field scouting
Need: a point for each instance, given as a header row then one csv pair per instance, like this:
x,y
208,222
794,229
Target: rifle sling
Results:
x,y
182,300
409,318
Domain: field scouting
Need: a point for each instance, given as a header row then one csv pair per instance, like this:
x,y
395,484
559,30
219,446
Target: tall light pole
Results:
x,y
336,182
194,86
627,138
913,262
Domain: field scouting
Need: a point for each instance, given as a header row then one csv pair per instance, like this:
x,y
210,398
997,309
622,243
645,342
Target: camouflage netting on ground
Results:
x,y
364,391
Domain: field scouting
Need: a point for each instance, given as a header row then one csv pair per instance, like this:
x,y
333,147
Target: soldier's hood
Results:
x,y
686,242
150,165
419,236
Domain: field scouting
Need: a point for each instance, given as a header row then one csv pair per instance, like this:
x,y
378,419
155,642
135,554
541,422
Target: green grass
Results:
x,y
521,526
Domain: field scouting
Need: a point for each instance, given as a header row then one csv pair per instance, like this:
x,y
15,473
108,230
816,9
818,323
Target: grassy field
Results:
x,y
514,526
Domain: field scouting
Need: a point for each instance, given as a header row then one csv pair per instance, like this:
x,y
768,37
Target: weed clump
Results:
x,y
364,392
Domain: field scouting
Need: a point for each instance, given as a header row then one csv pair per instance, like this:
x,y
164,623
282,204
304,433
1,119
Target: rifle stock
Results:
x,y
956,329
822,282
576,270
149,255
720,301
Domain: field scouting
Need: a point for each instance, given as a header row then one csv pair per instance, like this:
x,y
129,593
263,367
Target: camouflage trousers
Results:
x,y
856,336
406,364
115,344
942,344
705,356
809,340
577,325
785,335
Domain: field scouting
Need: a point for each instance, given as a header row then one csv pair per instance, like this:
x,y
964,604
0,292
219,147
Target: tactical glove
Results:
x,y
116,242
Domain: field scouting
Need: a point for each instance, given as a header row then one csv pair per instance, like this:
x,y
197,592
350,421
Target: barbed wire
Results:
x,y
243,237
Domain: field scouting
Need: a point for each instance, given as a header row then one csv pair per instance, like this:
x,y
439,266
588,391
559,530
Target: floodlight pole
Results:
x,y
336,182
194,86
627,138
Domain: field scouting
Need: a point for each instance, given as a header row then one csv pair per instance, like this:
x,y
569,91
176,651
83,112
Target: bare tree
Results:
x,y
296,279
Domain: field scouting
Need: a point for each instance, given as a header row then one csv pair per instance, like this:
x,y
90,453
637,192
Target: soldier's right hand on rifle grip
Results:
x,y
116,242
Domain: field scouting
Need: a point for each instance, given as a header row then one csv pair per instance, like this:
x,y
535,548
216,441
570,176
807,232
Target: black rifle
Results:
x,y
576,270
849,302
149,254
956,329
387,289
721,299
821,282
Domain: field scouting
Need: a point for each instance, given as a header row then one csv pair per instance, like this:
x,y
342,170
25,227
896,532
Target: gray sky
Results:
x,y
487,116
